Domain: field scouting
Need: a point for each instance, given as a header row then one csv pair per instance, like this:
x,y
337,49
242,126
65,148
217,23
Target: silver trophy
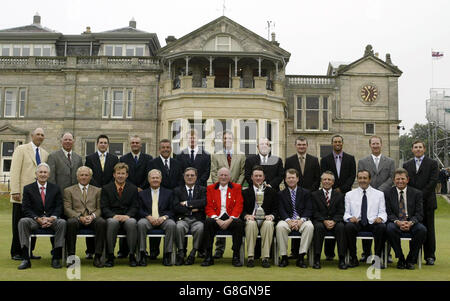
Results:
x,y
260,214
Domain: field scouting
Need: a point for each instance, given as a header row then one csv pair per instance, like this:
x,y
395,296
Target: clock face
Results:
x,y
369,93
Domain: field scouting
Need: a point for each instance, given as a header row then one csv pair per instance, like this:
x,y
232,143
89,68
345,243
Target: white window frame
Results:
x,y
106,103
16,142
365,128
113,103
22,101
220,45
301,127
13,105
129,106
125,48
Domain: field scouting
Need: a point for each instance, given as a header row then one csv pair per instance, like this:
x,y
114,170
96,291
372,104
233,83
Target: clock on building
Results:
x,y
369,93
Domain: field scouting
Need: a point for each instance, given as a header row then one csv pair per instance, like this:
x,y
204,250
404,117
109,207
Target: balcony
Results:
x,y
310,80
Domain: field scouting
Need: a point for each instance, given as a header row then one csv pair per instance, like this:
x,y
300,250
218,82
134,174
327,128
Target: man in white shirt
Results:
x,y
365,211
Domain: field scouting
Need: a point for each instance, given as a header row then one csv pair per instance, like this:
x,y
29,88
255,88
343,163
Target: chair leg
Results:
x,y
311,255
385,256
419,258
275,251
174,252
29,247
242,251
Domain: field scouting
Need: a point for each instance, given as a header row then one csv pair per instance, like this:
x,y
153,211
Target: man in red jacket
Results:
x,y
224,205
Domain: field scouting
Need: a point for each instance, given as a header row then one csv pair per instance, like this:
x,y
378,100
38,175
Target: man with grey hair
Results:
x,y
25,159
42,208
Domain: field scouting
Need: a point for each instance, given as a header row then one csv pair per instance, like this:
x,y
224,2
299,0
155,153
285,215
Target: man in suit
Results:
x,y
295,210
223,207
120,207
197,157
25,159
156,212
236,163
343,167
139,166
42,208
272,165
259,214
423,175
172,176
82,209
365,210
309,170
405,212
328,213
189,208
102,163
381,170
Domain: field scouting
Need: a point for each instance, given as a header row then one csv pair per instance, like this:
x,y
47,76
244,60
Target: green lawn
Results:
x,y
222,270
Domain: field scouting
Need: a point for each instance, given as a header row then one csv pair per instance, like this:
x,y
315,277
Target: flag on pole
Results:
x,y
437,54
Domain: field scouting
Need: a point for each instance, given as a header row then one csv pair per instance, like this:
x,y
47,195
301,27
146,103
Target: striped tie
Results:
x,y
294,211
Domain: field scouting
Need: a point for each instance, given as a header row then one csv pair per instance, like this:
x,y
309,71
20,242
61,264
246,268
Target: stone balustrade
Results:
x,y
310,80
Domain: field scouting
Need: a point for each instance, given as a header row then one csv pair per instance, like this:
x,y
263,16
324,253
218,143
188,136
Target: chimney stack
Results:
x,y
88,30
37,19
132,23
170,39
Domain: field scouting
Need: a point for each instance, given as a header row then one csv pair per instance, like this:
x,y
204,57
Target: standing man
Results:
x,y
343,167
82,209
405,213
42,208
328,208
423,175
295,210
443,178
120,207
365,210
236,164
189,207
381,169
25,160
102,163
156,212
309,171
197,157
259,218
223,207
272,165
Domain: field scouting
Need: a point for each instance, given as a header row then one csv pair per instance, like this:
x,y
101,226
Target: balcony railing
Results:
x,y
310,80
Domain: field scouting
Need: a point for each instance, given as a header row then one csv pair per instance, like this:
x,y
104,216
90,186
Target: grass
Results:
x,y
222,270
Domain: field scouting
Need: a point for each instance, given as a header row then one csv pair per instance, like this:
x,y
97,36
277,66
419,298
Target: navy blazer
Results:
x,y
311,179
165,203
101,178
198,202
172,179
202,163
137,173
303,204
348,171
273,170
112,204
270,203
322,212
414,203
32,205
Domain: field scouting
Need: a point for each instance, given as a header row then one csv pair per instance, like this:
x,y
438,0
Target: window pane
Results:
x,y
299,102
7,149
37,51
312,120
248,129
118,50
7,165
370,128
46,51
269,130
10,104
105,103
140,51
26,51
299,119
325,102
325,120
312,102
325,150
22,103
108,50
130,103
116,149
118,103
130,51
5,51
16,51
90,147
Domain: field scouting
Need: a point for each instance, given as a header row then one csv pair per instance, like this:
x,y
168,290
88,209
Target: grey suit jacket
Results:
x,y
381,179
62,172
237,168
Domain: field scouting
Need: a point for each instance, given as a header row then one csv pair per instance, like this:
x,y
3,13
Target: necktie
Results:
x,y
338,165
166,165
294,211
418,161
155,212
192,156
264,159
302,164
229,159
377,161
364,220
136,159
68,157
84,194
402,209
102,161
119,191
190,195
327,197
38,158
43,195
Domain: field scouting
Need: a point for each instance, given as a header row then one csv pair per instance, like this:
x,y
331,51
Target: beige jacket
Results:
x,y
74,206
237,168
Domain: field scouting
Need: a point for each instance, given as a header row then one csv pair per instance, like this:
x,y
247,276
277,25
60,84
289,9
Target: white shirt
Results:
x,y
81,187
34,150
45,188
375,158
404,198
164,161
264,159
223,199
256,204
325,193
187,190
134,155
376,206
100,154
195,151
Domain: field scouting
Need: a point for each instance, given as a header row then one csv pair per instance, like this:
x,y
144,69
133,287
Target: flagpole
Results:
x,y
432,70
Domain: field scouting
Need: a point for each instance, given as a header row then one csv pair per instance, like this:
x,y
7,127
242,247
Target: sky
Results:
x,y
315,32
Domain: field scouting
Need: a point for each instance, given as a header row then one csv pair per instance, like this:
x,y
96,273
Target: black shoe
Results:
x,y
218,255
190,260
133,262
89,256
353,262
316,265
201,254
236,261
25,264
409,266
301,262
179,260
167,259
56,263
329,258
69,263
265,263
284,261
293,256
109,262
251,263
120,255
35,257
98,261
153,254
17,257
208,261
342,265
143,260
429,261
401,264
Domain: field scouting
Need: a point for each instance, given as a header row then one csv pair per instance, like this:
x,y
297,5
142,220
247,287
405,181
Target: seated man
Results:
x,y
155,210
365,210
260,210
223,207
82,209
189,207
42,208
120,206
328,208
295,210
404,208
